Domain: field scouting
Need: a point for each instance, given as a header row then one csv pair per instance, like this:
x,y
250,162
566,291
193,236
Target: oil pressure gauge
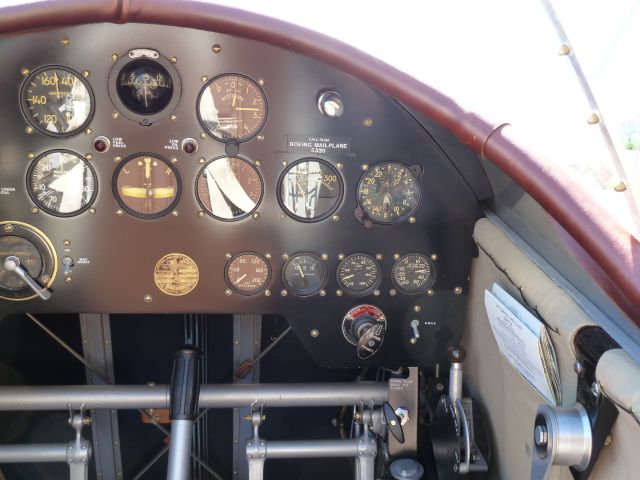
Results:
x,y
413,273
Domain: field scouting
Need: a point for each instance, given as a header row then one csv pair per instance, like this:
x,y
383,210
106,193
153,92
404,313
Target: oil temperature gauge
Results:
x,y
304,274
359,274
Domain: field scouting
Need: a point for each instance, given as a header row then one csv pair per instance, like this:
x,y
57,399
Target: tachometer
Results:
x,y
146,186
57,101
413,273
62,183
310,190
359,274
248,273
232,107
304,274
389,193
229,188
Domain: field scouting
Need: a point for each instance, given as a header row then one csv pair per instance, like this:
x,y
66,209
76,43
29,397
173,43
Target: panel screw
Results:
x,y
457,290
607,441
284,293
86,73
339,166
204,78
282,216
117,158
173,59
87,131
173,117
364,166
257,163
367,122
203,135
578,367
430,292
217,48
324,257
564,50
115,114
267,256
25,71
201,214
541,435
376,293
396,256
92,210
29,130
285,256
174,160
67,280
593,119
339,293
434,257
417,308
119,212
114,56
65,41
175,213
34,210
341,256
379,256
393,292
88,156
31,155
284,163
267,293
148,298
260,138
45,279
8,228
314,333
412,219
66,243
620,187
227,292
228,256
335,218
595,389
413,340
256,216
261,81
323,293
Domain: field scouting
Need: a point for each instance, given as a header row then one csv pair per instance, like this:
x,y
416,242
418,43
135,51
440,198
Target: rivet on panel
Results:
x,y
376,293
396,256
261,81
66,243
174,160
457,290
284,163
257,163
65,41
175,213
314,333
430,292
173,117
203,135
148,298
117,158
217,48
34,210
45,279
67,280
413,340
393,292
339,166
202,161
88,156
87,131
282,216
367,122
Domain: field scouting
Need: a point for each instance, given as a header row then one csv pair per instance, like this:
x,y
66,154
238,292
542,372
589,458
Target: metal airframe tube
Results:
x,y
312,449
34,453
124,397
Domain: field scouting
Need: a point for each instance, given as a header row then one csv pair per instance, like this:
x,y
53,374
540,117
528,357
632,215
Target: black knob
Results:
x,y
393,422
185,384
370,338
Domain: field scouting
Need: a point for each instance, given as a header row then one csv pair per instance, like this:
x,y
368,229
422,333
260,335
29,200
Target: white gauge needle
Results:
x,y
248,109
299,268
349,276
240,279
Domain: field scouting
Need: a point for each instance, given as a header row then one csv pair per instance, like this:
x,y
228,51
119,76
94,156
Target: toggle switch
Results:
x,y
415,323
68,264
12,264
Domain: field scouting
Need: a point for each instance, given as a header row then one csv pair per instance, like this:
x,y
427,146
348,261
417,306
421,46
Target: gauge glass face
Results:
x,y
359,274
304,274
144,86
413,273
146,186
229,188
232,108
57,101
389,193
62,183
30,260
248,273
176,274
310,190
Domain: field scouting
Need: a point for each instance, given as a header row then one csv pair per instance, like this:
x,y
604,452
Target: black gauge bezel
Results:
x,y
301,293
329,212
45,209
233,140
123,205
144,119
46,250
248,214
24,107
428,285
403,217
371,289
251,293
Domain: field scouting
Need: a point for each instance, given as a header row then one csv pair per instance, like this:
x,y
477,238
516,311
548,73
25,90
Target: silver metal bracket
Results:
x,y
79,450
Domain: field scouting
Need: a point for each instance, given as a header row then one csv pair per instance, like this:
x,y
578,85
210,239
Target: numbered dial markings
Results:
x,y
57,101
389,193
310,190
359,274
146,186
144,86
248,273
229,188
413,273
232,108
304,274
176,274
62,183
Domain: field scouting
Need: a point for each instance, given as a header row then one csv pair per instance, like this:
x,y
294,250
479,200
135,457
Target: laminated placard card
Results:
x,y
523,340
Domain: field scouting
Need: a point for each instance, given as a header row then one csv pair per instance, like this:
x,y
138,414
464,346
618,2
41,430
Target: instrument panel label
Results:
x,y
318,144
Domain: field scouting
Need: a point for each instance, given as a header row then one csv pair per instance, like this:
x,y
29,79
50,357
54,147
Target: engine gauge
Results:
x,y
57,101
413,273
146,186
62,183
304,274
310,190
229,188
248,273
359,274
389,193
232,108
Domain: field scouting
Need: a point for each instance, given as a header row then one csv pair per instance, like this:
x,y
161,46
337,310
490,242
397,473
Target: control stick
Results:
x,y
183,406
12,264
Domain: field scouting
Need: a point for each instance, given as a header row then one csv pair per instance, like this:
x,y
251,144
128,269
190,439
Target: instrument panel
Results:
x,y
173,170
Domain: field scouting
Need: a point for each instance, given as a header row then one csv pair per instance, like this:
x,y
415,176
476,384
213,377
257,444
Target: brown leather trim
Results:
x,y
615,252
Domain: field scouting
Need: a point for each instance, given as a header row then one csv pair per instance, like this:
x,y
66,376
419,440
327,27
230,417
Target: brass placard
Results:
x,y
176,274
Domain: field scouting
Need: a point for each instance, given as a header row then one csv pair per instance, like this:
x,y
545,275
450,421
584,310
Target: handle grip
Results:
x,y
185,384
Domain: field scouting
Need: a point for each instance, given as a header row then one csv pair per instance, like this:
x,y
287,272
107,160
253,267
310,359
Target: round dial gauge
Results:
x,y
304,274
359,274
248,273
389,193
176,274
33,252
62,183
144,86
57,101
310,190
232,108
413,273
229,188
146,186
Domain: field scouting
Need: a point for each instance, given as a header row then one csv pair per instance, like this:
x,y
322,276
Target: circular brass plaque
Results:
x,y
176,274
